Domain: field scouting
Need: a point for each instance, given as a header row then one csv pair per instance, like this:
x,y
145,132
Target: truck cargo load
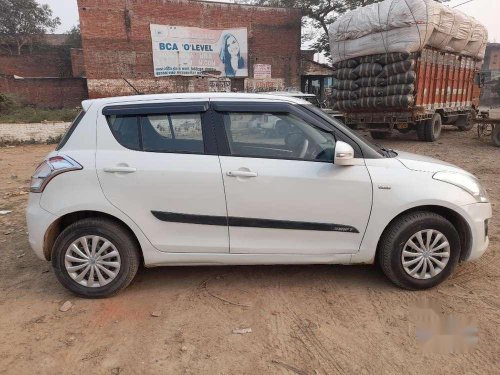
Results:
x,y
406,26
406,65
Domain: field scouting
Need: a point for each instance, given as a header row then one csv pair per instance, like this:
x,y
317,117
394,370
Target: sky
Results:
x,y
485,11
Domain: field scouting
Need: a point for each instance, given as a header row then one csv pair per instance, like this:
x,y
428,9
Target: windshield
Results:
x,y
344,129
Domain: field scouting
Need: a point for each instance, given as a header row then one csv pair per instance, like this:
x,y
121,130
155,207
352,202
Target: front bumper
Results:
x,y
477,215
38,221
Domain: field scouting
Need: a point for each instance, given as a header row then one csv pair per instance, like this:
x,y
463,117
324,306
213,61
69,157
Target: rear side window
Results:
x,y
70,130
170,133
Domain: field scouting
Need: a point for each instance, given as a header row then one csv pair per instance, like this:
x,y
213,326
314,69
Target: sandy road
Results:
x,y
304,319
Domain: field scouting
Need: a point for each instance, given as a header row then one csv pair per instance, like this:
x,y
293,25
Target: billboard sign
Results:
x,y
190,51
261,71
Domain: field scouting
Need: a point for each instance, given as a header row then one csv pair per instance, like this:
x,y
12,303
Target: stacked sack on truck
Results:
x,y
384,80
374,48
406,26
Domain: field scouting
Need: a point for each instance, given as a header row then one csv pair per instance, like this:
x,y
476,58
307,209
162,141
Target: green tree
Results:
x,y
74,38
23,22
320,14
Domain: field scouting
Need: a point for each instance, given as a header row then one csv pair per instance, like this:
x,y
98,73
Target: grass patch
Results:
x,y
34,115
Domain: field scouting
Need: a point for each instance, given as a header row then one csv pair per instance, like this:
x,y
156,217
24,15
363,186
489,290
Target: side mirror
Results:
x,y
344,154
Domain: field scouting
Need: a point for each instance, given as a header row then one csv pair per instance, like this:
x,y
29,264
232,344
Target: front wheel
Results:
x,y
95,258
419,250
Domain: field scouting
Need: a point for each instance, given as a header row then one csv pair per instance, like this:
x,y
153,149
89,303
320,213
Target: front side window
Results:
x,y
173,133
277,136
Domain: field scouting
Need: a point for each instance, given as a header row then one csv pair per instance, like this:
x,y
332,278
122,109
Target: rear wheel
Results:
x,y
419,250
95,258
465,122
420,127
432,128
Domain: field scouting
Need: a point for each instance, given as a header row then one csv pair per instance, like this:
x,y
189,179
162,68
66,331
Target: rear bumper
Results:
x,y
478,214
38,221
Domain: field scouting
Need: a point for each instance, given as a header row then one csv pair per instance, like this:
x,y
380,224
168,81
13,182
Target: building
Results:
x,y
121,56
490,74
316,78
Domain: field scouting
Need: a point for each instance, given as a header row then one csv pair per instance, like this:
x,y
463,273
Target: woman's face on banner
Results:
x,y
232,46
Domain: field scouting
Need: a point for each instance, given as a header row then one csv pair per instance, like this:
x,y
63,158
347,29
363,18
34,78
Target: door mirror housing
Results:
x,y
344,154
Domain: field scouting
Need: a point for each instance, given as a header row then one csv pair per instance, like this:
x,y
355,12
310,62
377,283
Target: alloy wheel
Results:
x,y
425,254
92,261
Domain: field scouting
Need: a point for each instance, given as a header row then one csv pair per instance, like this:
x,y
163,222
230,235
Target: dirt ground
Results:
x,y
304,319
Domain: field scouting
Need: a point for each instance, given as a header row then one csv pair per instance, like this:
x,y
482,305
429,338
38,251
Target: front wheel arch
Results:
x,y
460,224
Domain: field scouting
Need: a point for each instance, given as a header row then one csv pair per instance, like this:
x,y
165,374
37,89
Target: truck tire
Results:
x,y
420,126
433,127
465,122
495,135
380,135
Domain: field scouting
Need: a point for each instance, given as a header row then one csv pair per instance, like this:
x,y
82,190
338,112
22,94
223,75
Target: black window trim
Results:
x,y
138,110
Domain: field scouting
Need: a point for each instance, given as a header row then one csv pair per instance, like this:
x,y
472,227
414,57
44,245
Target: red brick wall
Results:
x,y
53,63
51,93
77,62
117,41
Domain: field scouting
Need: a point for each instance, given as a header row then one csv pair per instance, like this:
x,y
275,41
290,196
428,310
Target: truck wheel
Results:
x,y
433,127
465,122
380,135
421,130
495,135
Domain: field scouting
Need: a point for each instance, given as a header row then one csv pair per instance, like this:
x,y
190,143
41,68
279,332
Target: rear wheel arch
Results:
x,y
66,220
460,224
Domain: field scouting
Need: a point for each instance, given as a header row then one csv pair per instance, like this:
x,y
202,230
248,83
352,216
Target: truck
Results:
x,y
409,65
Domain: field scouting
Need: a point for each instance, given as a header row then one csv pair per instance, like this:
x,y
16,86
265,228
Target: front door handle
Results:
x,y
241,174
120,170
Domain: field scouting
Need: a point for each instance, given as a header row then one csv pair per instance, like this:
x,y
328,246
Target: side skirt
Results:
x,y
159,259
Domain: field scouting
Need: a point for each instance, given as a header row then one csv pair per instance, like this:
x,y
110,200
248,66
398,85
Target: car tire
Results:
x,y
380,135
433,128
115,251
395,254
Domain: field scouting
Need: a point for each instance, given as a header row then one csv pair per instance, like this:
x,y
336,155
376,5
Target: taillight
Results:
x,y
49,169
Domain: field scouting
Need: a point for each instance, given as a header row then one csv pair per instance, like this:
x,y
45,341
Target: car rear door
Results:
x,y
157,162
280,198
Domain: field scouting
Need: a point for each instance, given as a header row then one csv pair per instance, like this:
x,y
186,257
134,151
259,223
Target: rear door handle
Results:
x,y
120,170
241,174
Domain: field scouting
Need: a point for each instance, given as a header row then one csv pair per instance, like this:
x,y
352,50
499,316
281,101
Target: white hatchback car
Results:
x,y
226,179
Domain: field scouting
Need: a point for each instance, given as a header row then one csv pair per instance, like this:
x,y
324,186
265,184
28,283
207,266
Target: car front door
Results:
x,y
158,163
284,193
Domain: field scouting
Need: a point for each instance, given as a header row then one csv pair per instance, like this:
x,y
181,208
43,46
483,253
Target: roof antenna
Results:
x,y
136,91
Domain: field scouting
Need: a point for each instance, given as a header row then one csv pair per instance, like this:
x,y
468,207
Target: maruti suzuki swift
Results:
x,y
229,179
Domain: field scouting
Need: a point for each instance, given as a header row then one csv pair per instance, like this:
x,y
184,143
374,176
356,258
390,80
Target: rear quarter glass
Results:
x,y
70,130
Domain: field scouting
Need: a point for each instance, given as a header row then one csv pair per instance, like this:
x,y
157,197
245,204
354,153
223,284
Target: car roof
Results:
x,y
185,96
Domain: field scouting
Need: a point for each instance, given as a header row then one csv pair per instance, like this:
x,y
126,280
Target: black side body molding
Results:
x,y
251,222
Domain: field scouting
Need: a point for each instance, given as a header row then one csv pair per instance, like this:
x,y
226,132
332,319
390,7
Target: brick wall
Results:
x,y
53,63
77,62
117,41
48,92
